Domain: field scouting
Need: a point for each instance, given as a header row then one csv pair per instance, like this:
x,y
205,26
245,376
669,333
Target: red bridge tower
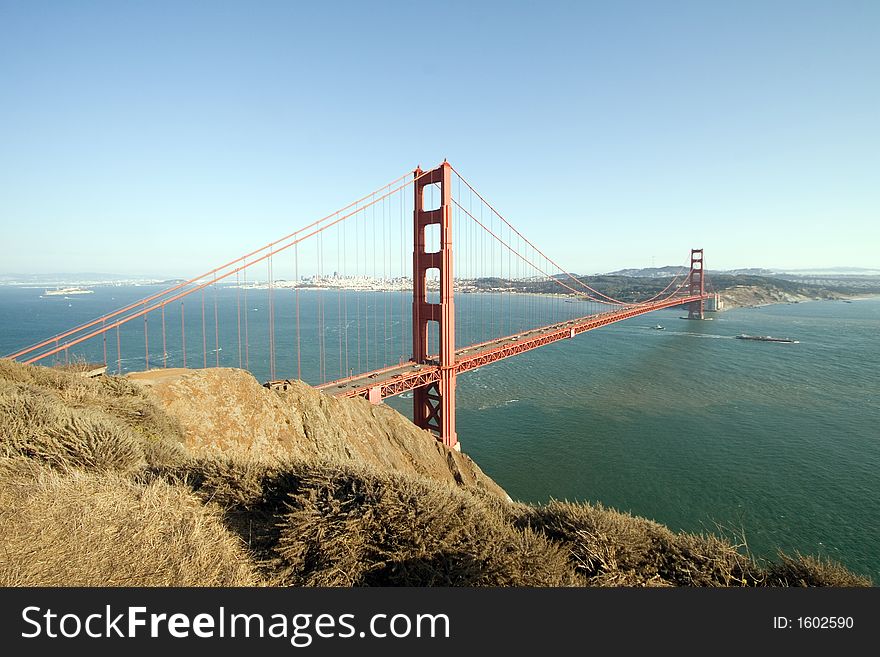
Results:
x,y
434,404
695,308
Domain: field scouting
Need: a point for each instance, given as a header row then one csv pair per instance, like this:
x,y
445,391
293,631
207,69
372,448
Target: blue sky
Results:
x,y
164,138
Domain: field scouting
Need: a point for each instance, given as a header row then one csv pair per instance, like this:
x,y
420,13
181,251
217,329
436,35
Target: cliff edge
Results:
x,y
225,411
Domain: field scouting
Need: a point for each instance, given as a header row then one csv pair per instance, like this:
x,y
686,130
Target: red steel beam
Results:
x,y
409,376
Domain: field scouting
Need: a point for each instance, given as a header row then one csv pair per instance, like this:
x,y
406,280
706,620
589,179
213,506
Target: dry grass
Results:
x,y
36,426
115,396
326,524
610,548
64,420
91,529
801,570
96,489
349,527
251,495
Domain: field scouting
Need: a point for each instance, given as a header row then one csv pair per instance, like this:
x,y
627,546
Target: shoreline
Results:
x,y
732,303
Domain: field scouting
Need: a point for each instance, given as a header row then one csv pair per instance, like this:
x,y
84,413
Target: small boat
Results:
x,y
765,338
659,328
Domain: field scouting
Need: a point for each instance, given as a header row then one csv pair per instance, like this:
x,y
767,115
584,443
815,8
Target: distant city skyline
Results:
x,y
334,279
161,139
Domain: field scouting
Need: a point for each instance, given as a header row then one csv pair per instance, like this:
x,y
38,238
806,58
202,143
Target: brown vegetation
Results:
x,y
97,488
610,548
59,418
76,528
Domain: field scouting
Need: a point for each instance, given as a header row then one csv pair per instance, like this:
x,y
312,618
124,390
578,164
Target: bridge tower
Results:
x,y
695,308
434,404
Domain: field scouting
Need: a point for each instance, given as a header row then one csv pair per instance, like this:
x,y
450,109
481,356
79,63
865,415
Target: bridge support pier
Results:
x,y
695,308
434,404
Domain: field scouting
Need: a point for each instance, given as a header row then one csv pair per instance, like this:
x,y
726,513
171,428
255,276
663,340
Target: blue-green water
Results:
x,y
693,428
687,426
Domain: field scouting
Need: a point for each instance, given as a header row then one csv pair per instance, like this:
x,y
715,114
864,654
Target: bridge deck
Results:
x,y
394,380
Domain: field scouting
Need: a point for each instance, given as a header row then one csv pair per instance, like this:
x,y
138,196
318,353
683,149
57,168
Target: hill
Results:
x,y
736,289
205,478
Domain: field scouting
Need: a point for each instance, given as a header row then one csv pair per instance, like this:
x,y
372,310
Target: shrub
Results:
x,y
350,527
610,548
63,419
100,529
36,425
800,570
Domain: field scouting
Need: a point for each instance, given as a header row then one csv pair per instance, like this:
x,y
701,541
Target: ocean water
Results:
x,y
779,443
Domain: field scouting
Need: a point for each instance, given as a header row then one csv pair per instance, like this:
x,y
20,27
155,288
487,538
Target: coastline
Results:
x,y
755,297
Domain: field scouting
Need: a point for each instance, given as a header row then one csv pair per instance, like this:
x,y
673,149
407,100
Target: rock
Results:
x,y
226,410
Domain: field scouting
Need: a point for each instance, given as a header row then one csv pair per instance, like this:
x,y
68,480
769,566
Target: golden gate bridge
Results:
x,y
359,335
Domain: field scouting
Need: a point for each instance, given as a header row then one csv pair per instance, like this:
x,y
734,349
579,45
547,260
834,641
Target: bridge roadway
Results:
x,y
390,381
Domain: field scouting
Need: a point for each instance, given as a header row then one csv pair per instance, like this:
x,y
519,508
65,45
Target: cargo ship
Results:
x,y
765,338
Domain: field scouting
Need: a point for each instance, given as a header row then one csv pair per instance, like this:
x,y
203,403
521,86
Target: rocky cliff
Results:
x,y
226,411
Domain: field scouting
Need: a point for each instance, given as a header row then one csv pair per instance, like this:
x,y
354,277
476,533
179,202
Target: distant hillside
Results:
x,y
666,272
828,272
205,478
647,272
737,290
762,289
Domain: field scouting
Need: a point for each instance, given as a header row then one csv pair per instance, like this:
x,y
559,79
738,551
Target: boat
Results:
x,y
764,338
659,328
66,291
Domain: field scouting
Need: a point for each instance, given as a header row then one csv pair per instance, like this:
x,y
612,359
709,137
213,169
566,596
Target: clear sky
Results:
x,y
166,137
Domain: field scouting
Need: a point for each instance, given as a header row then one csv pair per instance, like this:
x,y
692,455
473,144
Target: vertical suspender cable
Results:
x,y
344,229
204,335
183,333
164,344
403,351
510,325
296,295
321,308
238,314
271,295
384,278
216,324
375,304
358,293
484,334
366,300
247,312
269,316
339,283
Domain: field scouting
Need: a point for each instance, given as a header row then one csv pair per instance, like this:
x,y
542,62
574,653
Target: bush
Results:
x,y
350,527
800,570
91,529
35,425
65,420
610,548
